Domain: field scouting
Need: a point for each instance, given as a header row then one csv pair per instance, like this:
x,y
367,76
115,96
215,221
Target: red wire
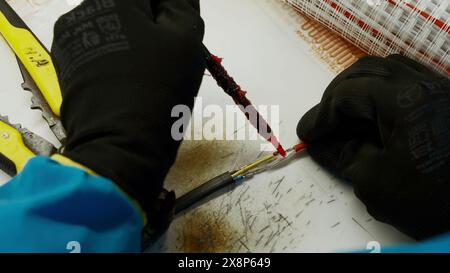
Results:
x,y
300,147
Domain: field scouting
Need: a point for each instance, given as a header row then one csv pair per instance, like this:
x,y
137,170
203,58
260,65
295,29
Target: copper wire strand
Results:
x,y
264,164
271,166
255,164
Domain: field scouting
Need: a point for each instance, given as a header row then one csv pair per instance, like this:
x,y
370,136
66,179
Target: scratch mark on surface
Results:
x,y
264,228
335,225
243,244
242,194
361,226
227,155
259,240
278,182
269,239
310,201
252,223
285,219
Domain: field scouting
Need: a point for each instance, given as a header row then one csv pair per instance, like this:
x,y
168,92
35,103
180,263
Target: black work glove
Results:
x,y
384,125
123,65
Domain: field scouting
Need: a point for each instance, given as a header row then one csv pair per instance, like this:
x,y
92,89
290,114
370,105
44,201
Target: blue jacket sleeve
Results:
x,y
440,244
50,207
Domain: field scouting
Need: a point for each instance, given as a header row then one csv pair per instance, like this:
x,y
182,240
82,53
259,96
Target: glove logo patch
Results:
x,y
90,39
96,31
110,24
428,141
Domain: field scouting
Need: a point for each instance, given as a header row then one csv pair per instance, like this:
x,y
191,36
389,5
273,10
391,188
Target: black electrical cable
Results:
x,y
191,198
202,192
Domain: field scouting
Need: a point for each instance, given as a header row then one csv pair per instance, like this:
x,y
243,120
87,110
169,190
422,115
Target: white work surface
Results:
x,y
297,208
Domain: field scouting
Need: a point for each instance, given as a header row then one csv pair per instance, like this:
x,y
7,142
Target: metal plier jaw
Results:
x,y
18,145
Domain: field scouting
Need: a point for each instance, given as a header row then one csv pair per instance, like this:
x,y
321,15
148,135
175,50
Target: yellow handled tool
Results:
x,y
32,54
14,153
36,66
18,145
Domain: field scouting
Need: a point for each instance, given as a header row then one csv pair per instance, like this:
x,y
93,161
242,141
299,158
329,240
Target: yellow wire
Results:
x,y
253,165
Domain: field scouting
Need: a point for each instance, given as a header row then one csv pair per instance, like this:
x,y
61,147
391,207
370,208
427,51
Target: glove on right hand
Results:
x,y
384,125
